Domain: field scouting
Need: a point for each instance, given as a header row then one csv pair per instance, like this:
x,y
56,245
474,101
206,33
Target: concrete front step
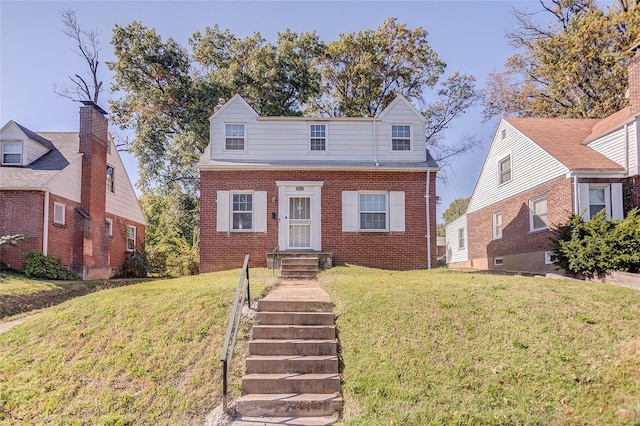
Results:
x,y
294,332
285,421
275,364
300,260
291,383
288,404
295,318
294,306
292,347
297,275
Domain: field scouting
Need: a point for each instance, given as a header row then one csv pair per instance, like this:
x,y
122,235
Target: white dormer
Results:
x,y
20,146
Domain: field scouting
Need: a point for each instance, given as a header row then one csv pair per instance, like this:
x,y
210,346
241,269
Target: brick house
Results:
x,y
353,190
537,172
70,193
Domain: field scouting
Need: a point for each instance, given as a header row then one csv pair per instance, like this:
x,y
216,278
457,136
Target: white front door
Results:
x,y
299,215
299,223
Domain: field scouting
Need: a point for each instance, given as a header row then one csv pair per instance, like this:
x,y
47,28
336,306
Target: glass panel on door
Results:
x,y
299,222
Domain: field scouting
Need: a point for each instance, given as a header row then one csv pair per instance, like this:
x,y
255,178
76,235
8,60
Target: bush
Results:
x,y
38,265
598,246
136,266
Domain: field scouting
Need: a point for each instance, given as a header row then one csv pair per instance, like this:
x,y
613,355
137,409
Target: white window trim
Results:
x,y
224,215
531,213
58,220
386,212
253,211
461,239
224,136
411,142
109,223
500,160
498,261
494,224
326,138
548,257
2,153
135,236
111,189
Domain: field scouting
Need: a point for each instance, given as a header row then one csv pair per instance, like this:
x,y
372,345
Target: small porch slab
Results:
x,y
274,259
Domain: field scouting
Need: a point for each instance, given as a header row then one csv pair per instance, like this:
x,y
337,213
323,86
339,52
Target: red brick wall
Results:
x,y
21,212
62,237
634,194
407,250
117,243
516,237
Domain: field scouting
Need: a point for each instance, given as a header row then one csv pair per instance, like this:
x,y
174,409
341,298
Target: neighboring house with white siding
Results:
x,y
358,190
69,191
537,172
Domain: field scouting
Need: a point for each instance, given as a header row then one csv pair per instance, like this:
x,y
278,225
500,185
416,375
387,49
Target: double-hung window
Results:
x,y
59,211
594,197
242,212
131,238
538,213
234,137
597,200
373,212
400,137
497,225
318,133
461,239
111,179
504,170
12,153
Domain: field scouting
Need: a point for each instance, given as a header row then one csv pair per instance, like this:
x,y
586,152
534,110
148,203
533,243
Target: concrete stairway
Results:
x,y
292,367
299,267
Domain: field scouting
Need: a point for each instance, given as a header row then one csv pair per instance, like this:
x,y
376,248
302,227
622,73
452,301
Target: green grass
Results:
x,y
438,347
19,294
142,354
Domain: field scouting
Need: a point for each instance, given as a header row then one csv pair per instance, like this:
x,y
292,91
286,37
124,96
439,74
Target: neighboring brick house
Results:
x,y
537,172
70,193
358,190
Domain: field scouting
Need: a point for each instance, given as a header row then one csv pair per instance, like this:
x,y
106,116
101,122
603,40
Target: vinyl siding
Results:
x,y
67,182
530,166
123,202
34,150
453,253
612,146
269,139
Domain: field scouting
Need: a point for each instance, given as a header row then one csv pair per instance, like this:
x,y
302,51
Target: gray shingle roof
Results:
x,y
64,151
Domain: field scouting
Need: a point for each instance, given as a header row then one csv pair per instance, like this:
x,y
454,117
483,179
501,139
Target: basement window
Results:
x,y
498,261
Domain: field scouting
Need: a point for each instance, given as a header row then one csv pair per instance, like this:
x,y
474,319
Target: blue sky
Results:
x,y
34,53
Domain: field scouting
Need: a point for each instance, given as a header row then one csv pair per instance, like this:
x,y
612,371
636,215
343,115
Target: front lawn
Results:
x,y
438,347
142,354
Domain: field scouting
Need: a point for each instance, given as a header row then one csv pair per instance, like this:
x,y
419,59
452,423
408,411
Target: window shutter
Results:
x,y
617,210
260,211
396,211
222,221
349,211
583,201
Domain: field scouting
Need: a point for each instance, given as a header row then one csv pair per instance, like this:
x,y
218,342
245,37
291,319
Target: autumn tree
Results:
x,y
457,208
573,66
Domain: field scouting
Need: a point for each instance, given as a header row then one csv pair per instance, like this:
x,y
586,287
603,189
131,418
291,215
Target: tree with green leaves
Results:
x,y
457,208
573,67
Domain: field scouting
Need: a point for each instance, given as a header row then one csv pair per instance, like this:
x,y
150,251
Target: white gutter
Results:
x,y
428,198
45,224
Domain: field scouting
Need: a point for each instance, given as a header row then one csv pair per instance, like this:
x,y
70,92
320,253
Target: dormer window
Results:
x,y
234,137
400,137
12,153
318,137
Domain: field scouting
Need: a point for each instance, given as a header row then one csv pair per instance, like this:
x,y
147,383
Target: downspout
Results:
x,y
576,194
45,224
626,149
428,198
375,144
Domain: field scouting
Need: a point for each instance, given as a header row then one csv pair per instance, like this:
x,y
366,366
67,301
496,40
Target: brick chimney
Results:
x,y
634,80
93,137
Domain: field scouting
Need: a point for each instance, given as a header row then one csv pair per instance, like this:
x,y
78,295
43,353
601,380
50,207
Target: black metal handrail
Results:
x,y
273,259
233,327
